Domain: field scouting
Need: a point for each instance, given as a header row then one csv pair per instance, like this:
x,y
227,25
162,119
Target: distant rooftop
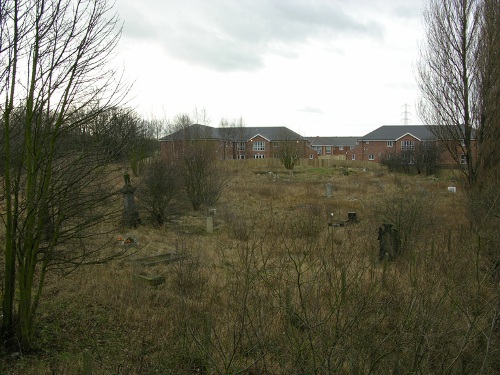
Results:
x,y
333,141
393,132
242,134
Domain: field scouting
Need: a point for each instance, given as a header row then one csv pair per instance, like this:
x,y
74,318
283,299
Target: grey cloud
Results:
x,y
310,109
408,11
228,35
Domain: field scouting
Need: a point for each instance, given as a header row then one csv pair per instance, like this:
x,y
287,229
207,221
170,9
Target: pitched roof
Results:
x,y
194,131
393,132
333,141
242,134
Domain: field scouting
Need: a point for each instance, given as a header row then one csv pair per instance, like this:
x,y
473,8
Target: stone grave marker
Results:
x,y
210,224
329,190
130,215
389,242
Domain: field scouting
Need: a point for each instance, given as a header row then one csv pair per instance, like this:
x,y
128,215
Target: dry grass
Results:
x,y
276,291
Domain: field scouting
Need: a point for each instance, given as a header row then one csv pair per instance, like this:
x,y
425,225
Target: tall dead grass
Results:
x,y
275,290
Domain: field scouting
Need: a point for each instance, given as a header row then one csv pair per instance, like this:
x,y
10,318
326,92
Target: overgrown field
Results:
x,y
276,290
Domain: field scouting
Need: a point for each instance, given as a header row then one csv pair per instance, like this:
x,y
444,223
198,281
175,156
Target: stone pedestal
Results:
x,y
130,215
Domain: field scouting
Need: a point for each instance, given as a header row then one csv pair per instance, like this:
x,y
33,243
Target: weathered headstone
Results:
x,y
210,224
130,215
389,242
329,190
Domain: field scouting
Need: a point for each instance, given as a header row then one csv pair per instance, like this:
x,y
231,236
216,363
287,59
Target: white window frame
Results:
x,y
276,144
341,148
240,146
463,159
353,157
407,145
259,146
328,149
371,156
259,156
390,143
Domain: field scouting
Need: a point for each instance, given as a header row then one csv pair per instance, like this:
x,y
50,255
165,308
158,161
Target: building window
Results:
x,y
367,142
259,146
319,149
407,145
328,149
407,159
241,156
390,143
240,146
276,144
463,159
353,157
427,144
371,157
341,147
311,156
351,147
258,156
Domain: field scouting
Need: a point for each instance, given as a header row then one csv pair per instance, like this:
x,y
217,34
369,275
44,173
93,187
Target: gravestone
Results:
x,y
130,215
210,224
329,190
389,242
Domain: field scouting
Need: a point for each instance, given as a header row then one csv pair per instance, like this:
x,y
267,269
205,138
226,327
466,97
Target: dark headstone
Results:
x,y
130,215
389,242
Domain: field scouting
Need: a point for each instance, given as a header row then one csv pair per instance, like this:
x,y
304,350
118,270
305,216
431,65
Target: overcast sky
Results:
x,y
319,67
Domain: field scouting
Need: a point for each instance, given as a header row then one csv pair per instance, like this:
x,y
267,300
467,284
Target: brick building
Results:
x,y
334,147
235,142
390,140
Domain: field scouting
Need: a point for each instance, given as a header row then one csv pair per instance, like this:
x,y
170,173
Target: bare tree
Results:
x,y
180,121
427,157
458,79
157,190
489,61
56,80
200,116
204,179
290,149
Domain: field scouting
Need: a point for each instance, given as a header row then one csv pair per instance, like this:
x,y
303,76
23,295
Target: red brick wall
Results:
x,y
379,150
227,150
